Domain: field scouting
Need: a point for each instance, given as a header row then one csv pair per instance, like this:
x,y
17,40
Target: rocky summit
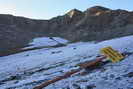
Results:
x,y
95,24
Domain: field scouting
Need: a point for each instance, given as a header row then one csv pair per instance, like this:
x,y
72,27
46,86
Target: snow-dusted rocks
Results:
x,y
27,69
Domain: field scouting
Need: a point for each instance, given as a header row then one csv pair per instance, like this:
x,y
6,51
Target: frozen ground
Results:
x,y
46,41
27,69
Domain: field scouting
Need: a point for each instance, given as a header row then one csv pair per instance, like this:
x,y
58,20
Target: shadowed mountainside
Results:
x,y
96,23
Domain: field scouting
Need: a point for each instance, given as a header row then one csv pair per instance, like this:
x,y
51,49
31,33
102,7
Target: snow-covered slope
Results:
x,y
27,69
46,41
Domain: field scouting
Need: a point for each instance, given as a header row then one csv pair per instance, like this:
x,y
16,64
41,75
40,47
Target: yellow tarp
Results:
x,y
112,54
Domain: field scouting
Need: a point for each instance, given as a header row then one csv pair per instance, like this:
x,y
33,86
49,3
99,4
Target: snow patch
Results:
x,y
46,41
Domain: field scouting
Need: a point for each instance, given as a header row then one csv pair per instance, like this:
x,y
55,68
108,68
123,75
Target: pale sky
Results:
x,y
46,9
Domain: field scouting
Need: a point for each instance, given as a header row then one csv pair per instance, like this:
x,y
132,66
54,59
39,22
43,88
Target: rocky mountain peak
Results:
x,y
74,12
96,10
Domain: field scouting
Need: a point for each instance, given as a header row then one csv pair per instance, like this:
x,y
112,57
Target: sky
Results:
x,y
47,9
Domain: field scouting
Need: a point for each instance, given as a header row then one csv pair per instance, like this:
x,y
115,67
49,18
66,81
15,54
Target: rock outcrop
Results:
x,y
96,23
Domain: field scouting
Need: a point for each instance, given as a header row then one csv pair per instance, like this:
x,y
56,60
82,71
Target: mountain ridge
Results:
x,y
96,23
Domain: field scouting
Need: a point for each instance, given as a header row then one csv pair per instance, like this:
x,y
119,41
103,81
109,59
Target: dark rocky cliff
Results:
x,y
96,23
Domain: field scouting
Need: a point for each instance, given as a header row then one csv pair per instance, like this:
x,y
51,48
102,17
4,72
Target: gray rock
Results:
x,y
96,23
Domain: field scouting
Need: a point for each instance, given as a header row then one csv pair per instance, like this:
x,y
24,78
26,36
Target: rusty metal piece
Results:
x,y
68,74
91,63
